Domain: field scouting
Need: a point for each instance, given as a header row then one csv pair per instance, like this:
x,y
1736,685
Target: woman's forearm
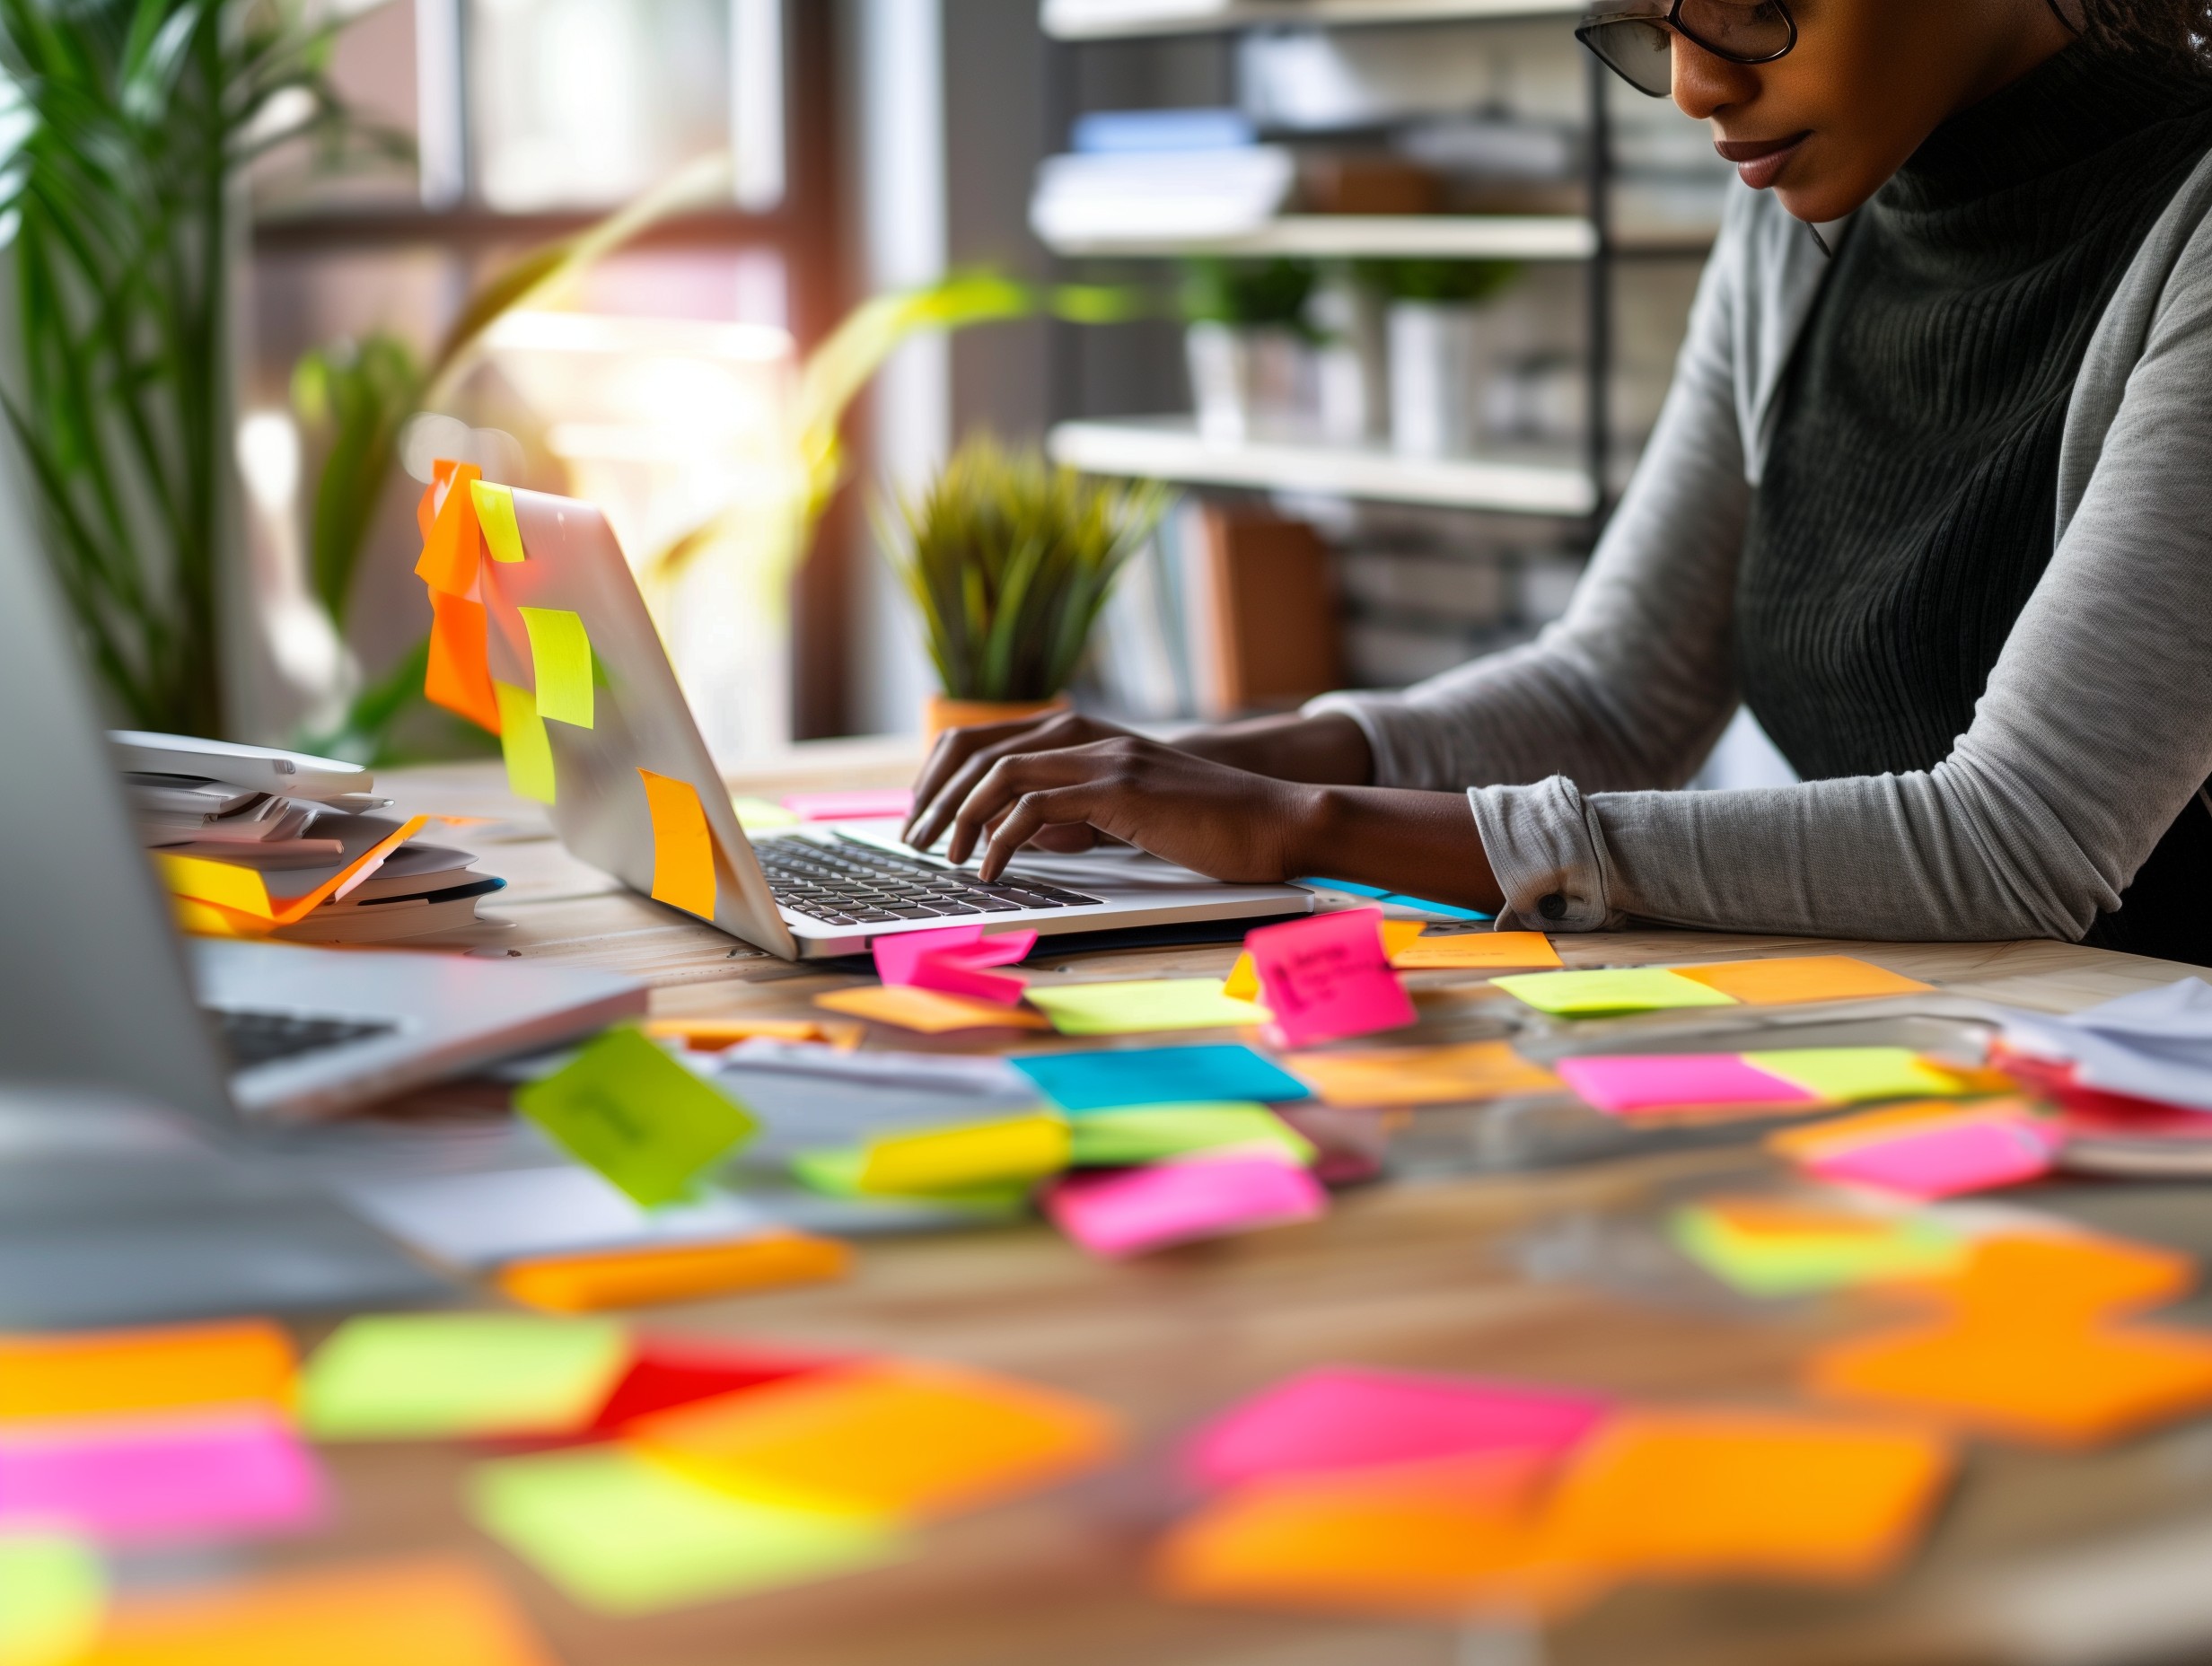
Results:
x,y
1423,844
1330,751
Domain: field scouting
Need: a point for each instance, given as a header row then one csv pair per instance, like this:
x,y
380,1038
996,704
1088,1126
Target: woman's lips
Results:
x,y
1759,162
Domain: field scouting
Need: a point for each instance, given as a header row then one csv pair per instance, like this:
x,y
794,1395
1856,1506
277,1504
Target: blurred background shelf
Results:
x,y
1107,19
1446,237
1536,482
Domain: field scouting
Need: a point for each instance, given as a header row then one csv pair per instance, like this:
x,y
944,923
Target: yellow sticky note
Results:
x,y
1476,951
224,884
927,1011
683,850
561,651
1119,1009
988,1153
1243,984
494,513
757,815
523,741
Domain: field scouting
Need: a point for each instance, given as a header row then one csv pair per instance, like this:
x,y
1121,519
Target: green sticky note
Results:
x,y
427,1376
838,1172
625,1108
561,653
53,1592
1764,1264
524,743
1848,1075
1155,1133
1135,1008
757,815
495,513
623,1535
1595,995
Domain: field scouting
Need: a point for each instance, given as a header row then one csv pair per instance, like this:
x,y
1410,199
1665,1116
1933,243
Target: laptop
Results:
x,y
808,894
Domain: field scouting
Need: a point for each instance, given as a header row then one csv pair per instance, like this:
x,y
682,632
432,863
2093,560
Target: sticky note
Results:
x,y
1626,1083
1844,1075
524,743
667,1372
1120,1009
561,655
2064,1280
160,1482
494,514
1814,1139
711,1035
1014,1151
1325,978
1602,994
1126,1212
757,815
835,1172
623,1107
856,805
1242,983
167,1368
1476,951
1811,977
927,1011
244,890
52,1592
1468,1072
428,1612
1347,1417
1968,1153
626,1536
1153,1134
898,1438
459,675
683,849
1163,1075
1788,1264
426,1376
452,551
954,962
689,1272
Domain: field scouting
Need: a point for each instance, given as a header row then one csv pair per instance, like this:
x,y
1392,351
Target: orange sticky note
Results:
x,y
683,849
898,1439
2063,1280
442,1612
452,552
711,1035
585,1284
927,1011
459,676
96,1374
1811,977
1476,951
1818,1139
229,886
1242,983
1422,1075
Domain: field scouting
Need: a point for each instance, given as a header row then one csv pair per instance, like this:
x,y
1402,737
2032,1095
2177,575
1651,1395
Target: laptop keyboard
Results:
x,y
852,884
252,1039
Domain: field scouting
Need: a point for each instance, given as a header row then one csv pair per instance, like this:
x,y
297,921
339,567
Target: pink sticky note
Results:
x,y
955,961
1130,1211
865,804
896,957
1325,978
1675,1081
1341,1417
1944,1159
137,1482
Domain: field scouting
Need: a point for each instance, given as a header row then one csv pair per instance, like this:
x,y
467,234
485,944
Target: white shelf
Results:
x,y
1168,448
1103,19
1442,236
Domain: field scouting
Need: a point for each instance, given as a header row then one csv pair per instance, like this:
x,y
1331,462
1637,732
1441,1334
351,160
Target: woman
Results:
x,y
1937,509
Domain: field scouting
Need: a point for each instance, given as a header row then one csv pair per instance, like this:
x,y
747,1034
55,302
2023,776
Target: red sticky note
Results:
x,y
460,678
1967,1153
669,1372
1628,1083
157,1481
454,547
1325,978
1127,1212
862,804
1343,1417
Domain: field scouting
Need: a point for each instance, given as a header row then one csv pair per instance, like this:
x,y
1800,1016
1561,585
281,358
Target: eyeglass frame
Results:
x,y
1673,20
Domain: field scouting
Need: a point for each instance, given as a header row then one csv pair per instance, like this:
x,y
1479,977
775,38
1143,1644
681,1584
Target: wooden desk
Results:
x,y
1478,1262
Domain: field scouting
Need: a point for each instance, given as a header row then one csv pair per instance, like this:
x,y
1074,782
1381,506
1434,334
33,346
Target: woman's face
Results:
x,y
1825,127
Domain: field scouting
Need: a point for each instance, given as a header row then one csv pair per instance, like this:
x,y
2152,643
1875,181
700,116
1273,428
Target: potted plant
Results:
x,y
1009,561
1250,346
1436,348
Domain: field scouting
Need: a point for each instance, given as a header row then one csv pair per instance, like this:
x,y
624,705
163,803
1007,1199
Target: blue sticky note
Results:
x,y
1158,1075
1444,909
1346,886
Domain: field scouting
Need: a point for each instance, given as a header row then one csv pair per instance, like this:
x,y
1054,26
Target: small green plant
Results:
x,y
1009,560
1248,294
1465,282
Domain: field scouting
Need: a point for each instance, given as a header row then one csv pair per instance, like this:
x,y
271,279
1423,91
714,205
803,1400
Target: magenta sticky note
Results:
x,y
1344,1417
1628,1083
897,956
1129,1211
955,960
865,804
1969,1153
954,972
161,1481
1325,978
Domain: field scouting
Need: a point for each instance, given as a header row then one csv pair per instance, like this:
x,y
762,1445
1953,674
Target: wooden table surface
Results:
x,y
1517,1240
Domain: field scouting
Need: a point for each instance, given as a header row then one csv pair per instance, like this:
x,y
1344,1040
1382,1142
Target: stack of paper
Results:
x,y
2132,1078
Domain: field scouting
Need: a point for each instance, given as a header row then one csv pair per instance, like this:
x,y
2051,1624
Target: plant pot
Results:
x,y
1250,382
942,712
1436,375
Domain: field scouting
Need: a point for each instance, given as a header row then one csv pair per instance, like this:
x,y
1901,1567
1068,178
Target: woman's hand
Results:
x,y
963,757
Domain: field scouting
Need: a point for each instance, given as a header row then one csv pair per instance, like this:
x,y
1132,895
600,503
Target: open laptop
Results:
x,y
808,894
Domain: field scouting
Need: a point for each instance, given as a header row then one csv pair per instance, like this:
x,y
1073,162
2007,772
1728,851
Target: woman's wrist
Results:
x,y
1329,749
1421,844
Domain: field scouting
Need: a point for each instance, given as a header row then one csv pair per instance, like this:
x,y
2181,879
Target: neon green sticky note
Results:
x,y
1848,1075
625,1108
757,815
1767,1264
836,1174
1157,1133
523,742
53,1592
624,1536
561,653
1593,995
494,513
1134,1008
426,1376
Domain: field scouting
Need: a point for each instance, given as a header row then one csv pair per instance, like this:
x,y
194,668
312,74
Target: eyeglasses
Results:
x,y
1635,38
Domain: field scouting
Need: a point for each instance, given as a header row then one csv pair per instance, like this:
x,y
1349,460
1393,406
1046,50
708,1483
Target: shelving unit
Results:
x,y
1111,20
1443,236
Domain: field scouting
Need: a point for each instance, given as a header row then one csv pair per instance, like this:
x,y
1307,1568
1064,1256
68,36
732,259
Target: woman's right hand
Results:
x,y
963,757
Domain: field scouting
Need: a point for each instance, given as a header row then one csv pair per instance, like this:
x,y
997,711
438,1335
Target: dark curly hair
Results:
x,y
2178,30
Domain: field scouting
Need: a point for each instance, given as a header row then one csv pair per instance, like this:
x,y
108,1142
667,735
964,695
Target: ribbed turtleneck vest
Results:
x,y
1910,501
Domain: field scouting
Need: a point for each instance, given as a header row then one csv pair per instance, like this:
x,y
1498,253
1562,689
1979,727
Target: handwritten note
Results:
x,y
1327,978
215,1475
623,1107
661,1273
1626,1083
160,1369
1966,1154
1810,978
52,1593
1463,1074
1130,1211
927,1011
494,513
1476,951
427,1376
452,551
459,677
683,848
1120,1009
524,743
1165,1076
1602,994
560,651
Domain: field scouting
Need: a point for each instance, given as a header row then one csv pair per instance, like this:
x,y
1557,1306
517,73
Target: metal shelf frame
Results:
x,y
1127,20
